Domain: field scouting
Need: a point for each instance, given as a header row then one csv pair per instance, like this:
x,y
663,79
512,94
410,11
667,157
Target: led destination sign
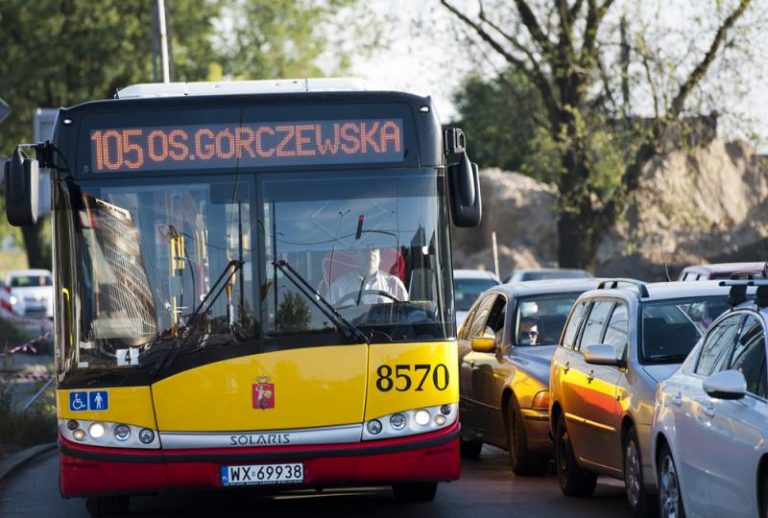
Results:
x,y
268,144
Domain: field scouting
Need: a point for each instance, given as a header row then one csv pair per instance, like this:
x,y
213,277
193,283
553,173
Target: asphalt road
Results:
x,y
487,489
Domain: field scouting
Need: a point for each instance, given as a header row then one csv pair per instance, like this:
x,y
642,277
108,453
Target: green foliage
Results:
x,y
499,118
64,52
287,38
60,53
36,425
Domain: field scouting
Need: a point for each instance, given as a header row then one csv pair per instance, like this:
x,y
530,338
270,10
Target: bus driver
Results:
x,y
367,284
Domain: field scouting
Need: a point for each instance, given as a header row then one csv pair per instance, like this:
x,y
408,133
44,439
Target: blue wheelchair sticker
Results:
x,y
78,401
98,400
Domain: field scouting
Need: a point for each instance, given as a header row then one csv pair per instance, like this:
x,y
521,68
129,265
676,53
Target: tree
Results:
x,y
499,115
563,47
63,52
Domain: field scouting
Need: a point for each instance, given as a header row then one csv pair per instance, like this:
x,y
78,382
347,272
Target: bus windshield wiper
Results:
x,y
349,329
205,305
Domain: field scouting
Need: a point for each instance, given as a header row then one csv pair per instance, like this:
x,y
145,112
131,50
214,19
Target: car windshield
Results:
x,y
30,281
671,328
466,291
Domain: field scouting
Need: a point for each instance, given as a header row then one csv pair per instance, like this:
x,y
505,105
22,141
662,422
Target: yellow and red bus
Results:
x,y
198,233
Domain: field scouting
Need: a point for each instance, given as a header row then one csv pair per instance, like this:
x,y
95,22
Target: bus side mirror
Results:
x,y
464,184
22,189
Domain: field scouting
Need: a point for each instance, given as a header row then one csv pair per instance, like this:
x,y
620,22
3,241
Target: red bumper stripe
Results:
x,y
87,470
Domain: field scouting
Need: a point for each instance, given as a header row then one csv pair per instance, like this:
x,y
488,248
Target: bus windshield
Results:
x,y
156,263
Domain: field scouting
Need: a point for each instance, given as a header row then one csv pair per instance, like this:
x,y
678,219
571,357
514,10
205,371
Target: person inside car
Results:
x,y
528,334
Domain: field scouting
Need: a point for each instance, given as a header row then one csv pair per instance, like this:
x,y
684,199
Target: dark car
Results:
x,y
505,348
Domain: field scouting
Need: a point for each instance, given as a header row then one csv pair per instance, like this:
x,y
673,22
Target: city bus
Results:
x,y
201,232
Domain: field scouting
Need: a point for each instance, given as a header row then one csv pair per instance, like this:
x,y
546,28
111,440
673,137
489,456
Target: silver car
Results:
x,y
619,342
505,347
710,429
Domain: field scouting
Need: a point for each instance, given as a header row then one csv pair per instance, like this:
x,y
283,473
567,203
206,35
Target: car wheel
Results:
x,y
523,462
413,492
670,496
470,449
107,505
574,480
640,501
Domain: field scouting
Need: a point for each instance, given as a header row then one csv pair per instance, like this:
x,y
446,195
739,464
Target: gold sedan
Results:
x,y
506,345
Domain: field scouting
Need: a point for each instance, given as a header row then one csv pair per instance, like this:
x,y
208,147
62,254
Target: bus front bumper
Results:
x,y
89,471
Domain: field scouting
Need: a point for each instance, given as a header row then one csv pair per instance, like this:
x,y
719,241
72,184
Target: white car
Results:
x,y
27,293
467,286
710,425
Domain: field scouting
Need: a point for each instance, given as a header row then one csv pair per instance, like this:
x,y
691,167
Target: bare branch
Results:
x,y
575,9
698,73
535,75
566,43
532,24
512,41
595,16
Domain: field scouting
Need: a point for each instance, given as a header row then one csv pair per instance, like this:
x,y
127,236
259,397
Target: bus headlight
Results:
x,y
411,422
422,417
146,436
122,432
96,430
374,427
106,434
398,421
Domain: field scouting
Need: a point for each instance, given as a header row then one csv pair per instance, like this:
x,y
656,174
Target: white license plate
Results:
x,y
262,474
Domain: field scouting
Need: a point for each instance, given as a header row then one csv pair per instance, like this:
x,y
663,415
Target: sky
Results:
x,y
418,63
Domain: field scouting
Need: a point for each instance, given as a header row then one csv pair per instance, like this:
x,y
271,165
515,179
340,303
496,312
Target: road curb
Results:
x,y
17,460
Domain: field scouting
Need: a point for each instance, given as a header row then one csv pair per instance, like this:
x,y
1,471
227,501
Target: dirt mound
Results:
x,y
701,205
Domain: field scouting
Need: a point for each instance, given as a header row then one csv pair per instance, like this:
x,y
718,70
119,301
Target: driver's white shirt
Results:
x,y
353,284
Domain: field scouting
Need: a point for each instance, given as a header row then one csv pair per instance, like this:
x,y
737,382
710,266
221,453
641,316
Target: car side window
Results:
x,y
593,329
572,327
617,332
718,345
496,318
470,318
477,328
749,356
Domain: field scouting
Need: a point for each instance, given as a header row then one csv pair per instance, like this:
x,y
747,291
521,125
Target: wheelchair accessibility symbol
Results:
x,y
95,401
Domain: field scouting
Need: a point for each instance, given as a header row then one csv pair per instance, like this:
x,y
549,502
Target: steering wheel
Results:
x,y
366,292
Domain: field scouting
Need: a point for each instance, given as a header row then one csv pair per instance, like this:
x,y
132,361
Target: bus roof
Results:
x,y
266,86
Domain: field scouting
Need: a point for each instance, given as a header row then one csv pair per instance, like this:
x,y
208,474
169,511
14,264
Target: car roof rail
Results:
x,y
761,296
614,283
738,293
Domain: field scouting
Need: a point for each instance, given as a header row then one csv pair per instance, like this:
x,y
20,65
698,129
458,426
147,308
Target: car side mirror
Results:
x,y
729,384
483,345
602,354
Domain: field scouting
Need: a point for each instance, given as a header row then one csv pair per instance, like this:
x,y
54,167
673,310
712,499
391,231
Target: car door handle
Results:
x,y
566,367
709,410
591,376
677,399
